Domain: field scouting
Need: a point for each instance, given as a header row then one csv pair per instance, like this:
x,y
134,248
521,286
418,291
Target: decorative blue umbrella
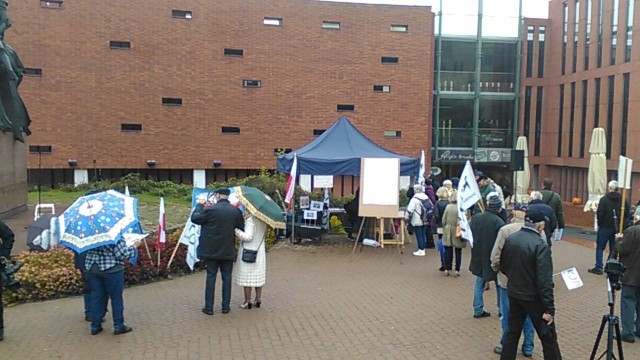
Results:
x,y
97,220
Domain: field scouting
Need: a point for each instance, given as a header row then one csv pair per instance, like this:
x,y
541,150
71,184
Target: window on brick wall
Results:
x,y
399,28
181,14
130,127
230,130
318,132
233,52
171,101
272,21
252,83
346,107
382,88
331,25
51,4
120,45
392,134
389,60
33,72
44,149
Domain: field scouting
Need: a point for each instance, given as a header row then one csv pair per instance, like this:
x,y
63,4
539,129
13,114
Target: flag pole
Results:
x,y
148,252
175,250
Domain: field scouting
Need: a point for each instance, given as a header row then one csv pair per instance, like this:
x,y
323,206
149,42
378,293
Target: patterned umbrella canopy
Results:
x,y
97,220
261,206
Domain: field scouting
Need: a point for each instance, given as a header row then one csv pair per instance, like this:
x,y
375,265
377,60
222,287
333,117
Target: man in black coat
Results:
x,y
484,227
628,246
553,199
7,239
526,260
608,216
217,245
550,222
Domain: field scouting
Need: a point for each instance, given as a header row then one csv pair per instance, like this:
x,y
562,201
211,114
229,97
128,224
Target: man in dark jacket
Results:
x,y
217,245
484,227
608,216
551,222
6,238
526,260
553,199
485,187
628,247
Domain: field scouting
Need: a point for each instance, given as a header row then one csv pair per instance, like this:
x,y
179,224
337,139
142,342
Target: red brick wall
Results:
x,y
87,90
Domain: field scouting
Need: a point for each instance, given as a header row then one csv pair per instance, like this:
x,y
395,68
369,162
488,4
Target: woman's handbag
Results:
x,y
249,256
458,232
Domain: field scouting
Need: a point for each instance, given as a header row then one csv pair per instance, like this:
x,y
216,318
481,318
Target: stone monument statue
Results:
x,y
13,114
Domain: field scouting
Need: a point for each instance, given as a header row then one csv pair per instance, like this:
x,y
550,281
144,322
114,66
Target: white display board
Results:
x,y
323,181
379,187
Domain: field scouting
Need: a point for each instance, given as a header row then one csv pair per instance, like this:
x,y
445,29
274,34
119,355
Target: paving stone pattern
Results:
x,y
320,302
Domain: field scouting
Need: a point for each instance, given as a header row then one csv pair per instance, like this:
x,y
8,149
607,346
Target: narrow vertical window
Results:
x,y
583,122
625,114
572,113
560,118
614,31
627,50
541,36
527,111
565,24
599,53
576,22
539,99
587,36
529,69
596,105
612,84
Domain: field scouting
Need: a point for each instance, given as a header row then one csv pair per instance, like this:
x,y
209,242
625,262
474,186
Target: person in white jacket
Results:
x,y
251,275
414,216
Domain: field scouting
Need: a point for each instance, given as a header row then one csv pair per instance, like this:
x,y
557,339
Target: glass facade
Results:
x,y
587,36
529,69
539,98
542,30
495,122
455,123
565,21
572,113
527,111
583,122
576,22
498,69
599,53
627,51
458,66
560,120
614,31
596,105
625,114
612,84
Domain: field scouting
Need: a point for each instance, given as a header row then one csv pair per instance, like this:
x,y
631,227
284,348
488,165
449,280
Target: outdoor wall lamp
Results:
x,y
72,162
217,163
151,163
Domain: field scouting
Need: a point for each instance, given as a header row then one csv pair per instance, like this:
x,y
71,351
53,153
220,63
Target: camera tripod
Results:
x,y
612,323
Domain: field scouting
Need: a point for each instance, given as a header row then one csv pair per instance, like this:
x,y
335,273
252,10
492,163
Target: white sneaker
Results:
x,y
419,253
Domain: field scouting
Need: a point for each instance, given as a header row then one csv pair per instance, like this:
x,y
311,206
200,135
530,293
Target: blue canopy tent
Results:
x,y
338,152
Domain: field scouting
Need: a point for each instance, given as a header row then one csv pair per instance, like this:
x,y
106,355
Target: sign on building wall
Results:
x,y
477,156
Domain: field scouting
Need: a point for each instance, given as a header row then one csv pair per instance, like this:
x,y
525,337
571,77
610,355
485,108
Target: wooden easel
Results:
x,y
399,244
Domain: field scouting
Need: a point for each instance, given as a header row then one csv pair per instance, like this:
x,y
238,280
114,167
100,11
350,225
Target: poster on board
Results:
x,y
323,181
379,187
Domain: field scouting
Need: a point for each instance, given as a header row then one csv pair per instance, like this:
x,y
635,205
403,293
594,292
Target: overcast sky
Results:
x,y
460,16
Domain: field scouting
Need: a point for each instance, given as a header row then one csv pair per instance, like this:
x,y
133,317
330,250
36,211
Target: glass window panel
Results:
x,y
458,66
560,120
494,123
541,41
539,99
456,122
498,71
627,51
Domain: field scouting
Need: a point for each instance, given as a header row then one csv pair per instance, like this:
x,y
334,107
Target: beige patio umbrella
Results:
x,y
597,179
522,178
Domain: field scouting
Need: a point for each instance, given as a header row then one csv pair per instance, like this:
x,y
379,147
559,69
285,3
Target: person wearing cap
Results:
x,y
217,245
608,217
628,247
484,228
553,199
485,187
517,222
526,261
551,222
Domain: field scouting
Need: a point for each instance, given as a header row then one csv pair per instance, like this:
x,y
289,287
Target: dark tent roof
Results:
x,y
338,152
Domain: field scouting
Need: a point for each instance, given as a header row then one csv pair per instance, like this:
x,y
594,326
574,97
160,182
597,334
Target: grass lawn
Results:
x,y
177,210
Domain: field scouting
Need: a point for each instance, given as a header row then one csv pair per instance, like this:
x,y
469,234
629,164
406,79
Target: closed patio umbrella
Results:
x,y
597,178
522,178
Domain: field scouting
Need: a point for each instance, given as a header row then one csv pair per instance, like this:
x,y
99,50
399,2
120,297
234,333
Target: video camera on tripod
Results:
x,y
7,275
615,270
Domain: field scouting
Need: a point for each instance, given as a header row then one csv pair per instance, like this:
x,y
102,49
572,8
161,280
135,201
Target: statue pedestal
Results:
x,y
13,175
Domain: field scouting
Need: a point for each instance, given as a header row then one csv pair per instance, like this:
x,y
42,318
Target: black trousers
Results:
x,y
1,309
429,237
518,311
448,257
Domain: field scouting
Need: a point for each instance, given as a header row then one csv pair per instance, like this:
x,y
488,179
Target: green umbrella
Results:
x,y
261,206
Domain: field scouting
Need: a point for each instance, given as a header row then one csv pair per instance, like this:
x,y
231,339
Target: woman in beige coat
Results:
x,y
449,239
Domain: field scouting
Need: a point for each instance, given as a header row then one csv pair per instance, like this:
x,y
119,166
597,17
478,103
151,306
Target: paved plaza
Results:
x,y
320,302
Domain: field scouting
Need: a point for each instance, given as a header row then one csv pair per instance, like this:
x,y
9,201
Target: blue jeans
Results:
x,y
604,236
103,285
226,267
630,311
478,296
441,250
528,330
421,236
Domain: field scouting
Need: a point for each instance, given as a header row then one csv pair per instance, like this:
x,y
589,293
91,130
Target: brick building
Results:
x,y
579,70
196,90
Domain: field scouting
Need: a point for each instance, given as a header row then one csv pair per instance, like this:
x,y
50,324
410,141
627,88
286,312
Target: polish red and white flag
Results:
x,y
291,182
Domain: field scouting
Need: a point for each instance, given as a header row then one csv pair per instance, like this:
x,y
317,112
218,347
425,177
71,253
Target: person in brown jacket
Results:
x,y
628,247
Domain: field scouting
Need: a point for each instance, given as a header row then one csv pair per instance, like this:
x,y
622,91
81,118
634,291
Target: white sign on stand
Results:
x,y
624,172
323,181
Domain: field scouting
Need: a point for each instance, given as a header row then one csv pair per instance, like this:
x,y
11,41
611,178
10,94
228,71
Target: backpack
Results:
x,y
427,214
